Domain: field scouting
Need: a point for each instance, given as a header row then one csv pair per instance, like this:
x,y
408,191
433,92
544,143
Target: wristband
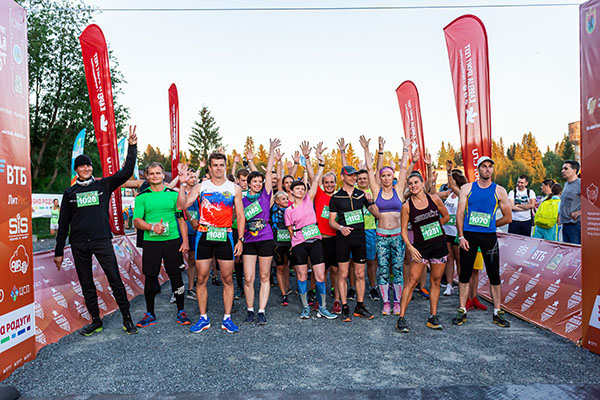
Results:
x,y
321,165
152,227
460,238
381,152
295,163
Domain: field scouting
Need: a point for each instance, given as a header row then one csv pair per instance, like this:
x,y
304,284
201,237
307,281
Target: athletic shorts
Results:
x,y
355,244
432,261
451,240
305,250
206,249
488,242
54,226
156,252
262,248
329,252
281,253
432,251
192,242
371,236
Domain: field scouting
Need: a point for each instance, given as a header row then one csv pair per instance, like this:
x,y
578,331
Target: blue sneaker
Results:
x,y
323,312
202,325
305,314
182,318
228,326
148,320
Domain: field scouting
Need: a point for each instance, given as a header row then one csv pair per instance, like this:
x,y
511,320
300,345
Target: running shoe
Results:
x,y
477,305
191,294
172,299
289,292
396,308
202,325
148,320
362,312
434,323
374,294
346,314
337,307
401,325
238,294
448,291
425,293
262,318
249,318
323,312
500,321
312,297
182,318
460,318
305,314
387,309
129,327
94,327
284,300
216,281
228,326
351,294
469,304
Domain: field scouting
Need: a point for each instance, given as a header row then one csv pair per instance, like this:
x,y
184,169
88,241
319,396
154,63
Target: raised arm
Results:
x,y
185,200
305,149
278,156
234,163
341,143
250,157
314,186
296,159
381,142
374,184
401,184
273,144
126,171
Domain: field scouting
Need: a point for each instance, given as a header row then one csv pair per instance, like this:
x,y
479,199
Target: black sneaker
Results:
x,y
461,318
284,300
128,326
89,330
351,294
362,312
500,321
401,325
250,318
374,294
312,297
262,318
346,314
434,323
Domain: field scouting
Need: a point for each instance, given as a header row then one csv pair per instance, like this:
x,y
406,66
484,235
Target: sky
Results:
x,y
321,75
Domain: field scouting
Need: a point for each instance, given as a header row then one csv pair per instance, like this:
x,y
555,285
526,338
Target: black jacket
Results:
x,y
85,208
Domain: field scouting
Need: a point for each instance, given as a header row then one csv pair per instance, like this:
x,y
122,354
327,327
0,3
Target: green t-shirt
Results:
x,y
369,218
234,224
152,207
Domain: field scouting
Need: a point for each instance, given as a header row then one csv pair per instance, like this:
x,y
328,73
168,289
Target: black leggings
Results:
x,y
488,242
152,287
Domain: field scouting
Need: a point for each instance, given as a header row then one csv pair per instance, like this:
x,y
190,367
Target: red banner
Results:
x,y
410,109
97,74
174,127
589,36
17,322
466,39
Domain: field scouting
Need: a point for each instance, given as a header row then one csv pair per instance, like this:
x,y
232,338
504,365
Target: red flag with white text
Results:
x,y
97,74
174,127
410,109
466,40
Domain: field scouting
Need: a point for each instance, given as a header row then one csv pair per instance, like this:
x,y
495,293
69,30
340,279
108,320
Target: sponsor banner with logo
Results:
x,y
466,40
97,74
77,150
589,35
410,109
41,204
16,276
174,127
541,283
59,303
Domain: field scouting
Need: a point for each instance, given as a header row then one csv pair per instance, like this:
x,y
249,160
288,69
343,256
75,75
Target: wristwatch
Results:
x,y
242,240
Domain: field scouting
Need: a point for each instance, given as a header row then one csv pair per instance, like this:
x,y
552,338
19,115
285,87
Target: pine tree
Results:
x,y
553,164
532,156
442,155
568,150
262,156
205,137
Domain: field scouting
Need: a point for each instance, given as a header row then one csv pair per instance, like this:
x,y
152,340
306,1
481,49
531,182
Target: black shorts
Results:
x,y
303,251
434,250
206,250
262,248
451,240
329,252
282,252
155,252
355,243
488,242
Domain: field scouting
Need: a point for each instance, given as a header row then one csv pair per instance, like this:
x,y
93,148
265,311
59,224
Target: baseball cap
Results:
x,y
349,170
483,159
82,159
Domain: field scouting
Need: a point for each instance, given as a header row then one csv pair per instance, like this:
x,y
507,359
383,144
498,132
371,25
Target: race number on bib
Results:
x,y
480,219
310,231
252,210
452,220
325,212
283,235
431,230
354,217
214,234
88,199
165,233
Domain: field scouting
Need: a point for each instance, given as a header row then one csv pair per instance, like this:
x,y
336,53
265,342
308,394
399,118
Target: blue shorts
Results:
x,y
371,238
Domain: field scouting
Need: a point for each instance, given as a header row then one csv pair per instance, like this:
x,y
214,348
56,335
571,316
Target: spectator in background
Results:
x,y
570,205
54,214
522,202
546,217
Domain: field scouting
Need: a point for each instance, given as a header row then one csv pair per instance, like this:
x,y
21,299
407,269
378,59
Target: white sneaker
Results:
x,y
448,291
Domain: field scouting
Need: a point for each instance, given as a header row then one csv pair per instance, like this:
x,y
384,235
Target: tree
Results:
x,y
59,103
553,164
249,145
153,154
568,150
442,155
205,137
262,155
529,152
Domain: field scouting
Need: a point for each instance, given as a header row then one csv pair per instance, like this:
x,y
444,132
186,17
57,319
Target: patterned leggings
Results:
x,y
390,251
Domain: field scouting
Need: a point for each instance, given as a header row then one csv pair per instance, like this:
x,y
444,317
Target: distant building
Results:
x,y
575,138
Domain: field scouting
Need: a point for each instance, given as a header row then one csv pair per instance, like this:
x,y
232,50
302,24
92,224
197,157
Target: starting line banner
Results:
x,y
541,283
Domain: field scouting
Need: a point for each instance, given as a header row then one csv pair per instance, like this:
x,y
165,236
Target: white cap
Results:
x,y
483,159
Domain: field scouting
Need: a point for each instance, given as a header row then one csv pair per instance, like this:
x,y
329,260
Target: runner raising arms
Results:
x,y
217,198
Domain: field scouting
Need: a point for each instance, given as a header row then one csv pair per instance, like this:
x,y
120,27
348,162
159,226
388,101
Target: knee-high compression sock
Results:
x,y
397,292
302,289
385,292
323,293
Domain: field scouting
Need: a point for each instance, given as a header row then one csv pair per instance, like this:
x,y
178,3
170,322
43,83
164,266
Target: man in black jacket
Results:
x,y
85,209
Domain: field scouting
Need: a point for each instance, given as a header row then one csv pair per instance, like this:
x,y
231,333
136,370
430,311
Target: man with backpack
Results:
x,y
522,202
546,217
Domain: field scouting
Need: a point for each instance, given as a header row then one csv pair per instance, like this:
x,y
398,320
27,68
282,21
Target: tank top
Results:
x,y
216,204
257,218
480,212
426,223
55,213
452,205
390,205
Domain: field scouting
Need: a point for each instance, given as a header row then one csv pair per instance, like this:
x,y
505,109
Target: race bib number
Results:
x,y
431,230
252,210
88,199
283,235
452,220
310,231
354,217
480,219
325,212
165,233
214,234
366,211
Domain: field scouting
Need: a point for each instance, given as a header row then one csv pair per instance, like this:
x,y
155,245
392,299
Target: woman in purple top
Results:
x,y
258,237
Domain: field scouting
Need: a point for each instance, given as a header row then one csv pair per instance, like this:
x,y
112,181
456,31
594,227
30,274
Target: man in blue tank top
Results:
x,y
476,224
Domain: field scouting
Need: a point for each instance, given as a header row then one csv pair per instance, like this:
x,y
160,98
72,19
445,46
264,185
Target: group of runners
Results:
x,y
386,224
